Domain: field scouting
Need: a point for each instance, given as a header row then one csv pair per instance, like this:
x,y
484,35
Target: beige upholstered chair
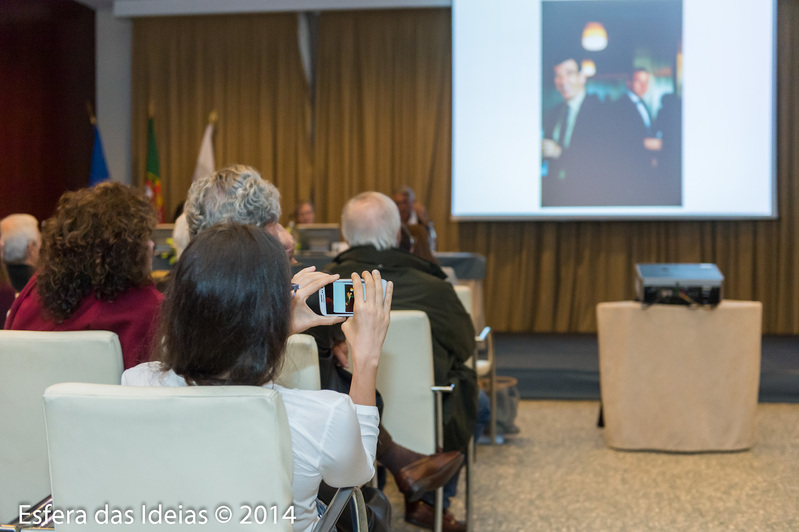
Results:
x,y
222,449
31,361
412,402
300,364
484,367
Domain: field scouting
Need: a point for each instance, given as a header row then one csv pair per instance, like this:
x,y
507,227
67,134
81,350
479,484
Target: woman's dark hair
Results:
x,y
226,314
97,242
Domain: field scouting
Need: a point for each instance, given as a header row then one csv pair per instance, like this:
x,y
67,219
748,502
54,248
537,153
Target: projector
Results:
x,y
678,284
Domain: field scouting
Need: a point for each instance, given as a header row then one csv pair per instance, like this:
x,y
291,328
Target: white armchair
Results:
x,y
216,453
30,361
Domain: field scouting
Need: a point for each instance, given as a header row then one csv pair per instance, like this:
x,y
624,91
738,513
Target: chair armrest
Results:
x,y
340,500
44,524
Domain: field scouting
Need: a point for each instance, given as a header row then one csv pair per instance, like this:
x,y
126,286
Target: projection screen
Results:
x,y
606,109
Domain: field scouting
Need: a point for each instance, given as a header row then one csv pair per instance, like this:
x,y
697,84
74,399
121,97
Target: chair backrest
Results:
x,y
404,379
189,449
300,364
30,361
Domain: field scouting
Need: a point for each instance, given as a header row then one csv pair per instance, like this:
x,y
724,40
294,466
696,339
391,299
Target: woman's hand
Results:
x,y
365,332
310,282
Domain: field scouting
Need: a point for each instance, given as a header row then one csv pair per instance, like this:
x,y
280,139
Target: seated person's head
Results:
x,y
304,212
404,197
234,194
20,239
371,218
226,316
98,241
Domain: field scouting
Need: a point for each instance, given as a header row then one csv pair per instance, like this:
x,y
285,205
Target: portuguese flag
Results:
x,y
152,183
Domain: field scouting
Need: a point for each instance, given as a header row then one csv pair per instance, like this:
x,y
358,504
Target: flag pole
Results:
x,y
90,110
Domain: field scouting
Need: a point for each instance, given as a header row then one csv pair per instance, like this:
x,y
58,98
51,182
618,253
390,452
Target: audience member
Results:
x,y
21,240
370,223
420,245
233,331
304,212
411,211
238,194
94,271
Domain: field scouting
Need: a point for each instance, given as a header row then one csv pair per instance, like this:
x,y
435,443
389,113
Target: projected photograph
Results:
x,y
611,103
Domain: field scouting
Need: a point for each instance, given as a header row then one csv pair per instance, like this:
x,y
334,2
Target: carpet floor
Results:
x,y
558,475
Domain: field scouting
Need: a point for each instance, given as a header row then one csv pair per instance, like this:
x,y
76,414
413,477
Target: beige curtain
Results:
x,y
245,67
383,119
383,107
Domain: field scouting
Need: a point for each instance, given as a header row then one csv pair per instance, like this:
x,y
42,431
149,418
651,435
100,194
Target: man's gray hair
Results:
x,y
17,231
237,194
371,218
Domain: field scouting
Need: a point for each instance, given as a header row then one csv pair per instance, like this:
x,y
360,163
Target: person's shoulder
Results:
x,y
318,408
26,309
146,295
150,374
320,399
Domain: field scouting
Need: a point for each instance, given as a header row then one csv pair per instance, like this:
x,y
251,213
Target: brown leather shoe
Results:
x,y
427,474
421,514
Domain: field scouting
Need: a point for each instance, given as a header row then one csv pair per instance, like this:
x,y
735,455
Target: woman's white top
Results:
x,y
332,439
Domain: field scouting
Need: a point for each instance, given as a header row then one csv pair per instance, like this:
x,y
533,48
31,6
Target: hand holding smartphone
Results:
x,y
338,297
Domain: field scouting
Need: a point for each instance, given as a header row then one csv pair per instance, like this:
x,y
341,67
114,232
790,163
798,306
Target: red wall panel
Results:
x,y
47,74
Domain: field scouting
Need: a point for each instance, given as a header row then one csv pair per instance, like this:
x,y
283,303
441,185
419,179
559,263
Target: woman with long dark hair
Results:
x,y
228,312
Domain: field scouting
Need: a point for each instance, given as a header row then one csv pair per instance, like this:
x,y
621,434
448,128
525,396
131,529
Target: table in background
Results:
x,y
675,378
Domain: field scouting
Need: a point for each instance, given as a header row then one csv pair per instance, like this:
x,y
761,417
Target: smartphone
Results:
x,y
337,298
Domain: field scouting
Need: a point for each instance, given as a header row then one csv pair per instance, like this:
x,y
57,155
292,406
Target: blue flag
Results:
x,y
99,171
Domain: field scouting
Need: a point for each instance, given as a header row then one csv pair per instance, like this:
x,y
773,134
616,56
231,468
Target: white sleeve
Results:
x,y
349,444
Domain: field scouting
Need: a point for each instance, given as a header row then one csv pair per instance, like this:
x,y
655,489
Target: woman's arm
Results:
x,y
365,332
350,444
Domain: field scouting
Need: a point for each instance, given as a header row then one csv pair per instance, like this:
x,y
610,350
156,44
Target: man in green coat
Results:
x,y
370,224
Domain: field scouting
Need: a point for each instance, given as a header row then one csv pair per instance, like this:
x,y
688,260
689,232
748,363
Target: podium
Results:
x,y
680,379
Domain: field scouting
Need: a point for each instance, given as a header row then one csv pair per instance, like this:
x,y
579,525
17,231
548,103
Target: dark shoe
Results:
x,y
427,474
421,514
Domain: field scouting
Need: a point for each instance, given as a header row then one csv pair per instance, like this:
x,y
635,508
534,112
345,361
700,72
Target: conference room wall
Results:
x,y
381,117
46,78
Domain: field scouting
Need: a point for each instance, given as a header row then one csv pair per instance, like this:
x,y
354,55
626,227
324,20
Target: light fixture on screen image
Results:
x,y
595,38
588,67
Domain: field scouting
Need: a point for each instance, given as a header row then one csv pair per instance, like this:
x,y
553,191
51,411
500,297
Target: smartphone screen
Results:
x,y
338,298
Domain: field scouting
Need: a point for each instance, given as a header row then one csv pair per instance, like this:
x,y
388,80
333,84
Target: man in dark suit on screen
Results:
x,y
573,147
641,166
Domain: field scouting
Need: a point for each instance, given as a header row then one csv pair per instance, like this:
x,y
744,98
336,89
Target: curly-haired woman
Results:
x,y
94,270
